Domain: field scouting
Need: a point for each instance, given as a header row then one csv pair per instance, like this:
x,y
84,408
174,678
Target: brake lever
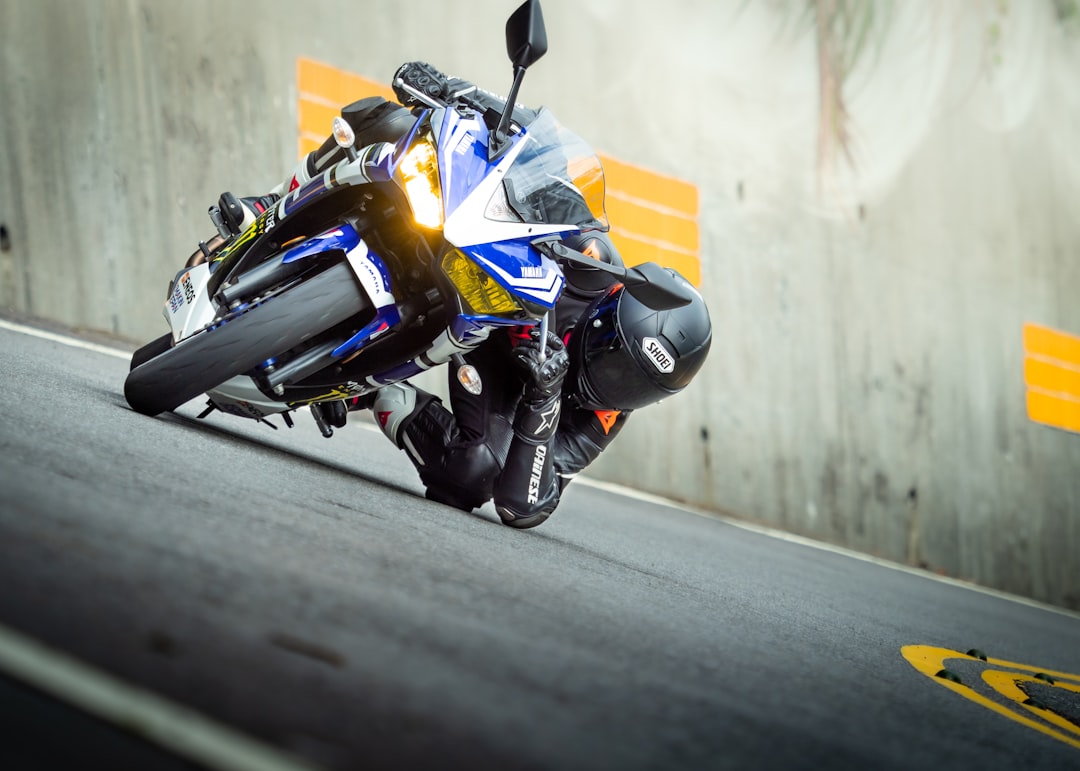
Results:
x,y
420,96
543,337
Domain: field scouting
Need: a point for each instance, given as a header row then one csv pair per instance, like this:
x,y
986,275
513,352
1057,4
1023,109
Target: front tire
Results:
x,y
200,363
150,350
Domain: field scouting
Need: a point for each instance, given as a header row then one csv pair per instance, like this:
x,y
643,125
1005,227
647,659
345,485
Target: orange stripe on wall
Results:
x,y
336,86
1052,376
323,91
1052,343
654,217
1053,410
677,230
636,250
315,118
636,182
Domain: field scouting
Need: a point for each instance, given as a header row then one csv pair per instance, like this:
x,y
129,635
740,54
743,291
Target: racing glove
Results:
x,y
424,78
543,374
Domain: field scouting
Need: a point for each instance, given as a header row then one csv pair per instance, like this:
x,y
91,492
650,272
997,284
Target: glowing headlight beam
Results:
x,y
419,171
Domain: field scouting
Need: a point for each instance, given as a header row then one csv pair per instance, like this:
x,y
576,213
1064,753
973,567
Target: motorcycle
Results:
x,y
400,258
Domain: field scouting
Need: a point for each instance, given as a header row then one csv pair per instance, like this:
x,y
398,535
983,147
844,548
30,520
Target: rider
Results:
x,y
538,421
543,412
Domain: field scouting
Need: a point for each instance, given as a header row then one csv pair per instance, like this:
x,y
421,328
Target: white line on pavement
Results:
x,y
783,535
141,713
73,342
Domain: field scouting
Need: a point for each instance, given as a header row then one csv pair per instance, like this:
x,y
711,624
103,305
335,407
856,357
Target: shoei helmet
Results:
x,y
626,355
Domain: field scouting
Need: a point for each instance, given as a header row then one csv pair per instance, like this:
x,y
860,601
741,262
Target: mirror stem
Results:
x,y
574,256
499,140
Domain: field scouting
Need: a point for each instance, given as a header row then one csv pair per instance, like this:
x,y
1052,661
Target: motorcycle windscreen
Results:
x,y
556,179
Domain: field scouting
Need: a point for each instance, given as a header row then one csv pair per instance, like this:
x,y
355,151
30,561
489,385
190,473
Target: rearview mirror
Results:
x,y
649,283
526,41
526,38
657,288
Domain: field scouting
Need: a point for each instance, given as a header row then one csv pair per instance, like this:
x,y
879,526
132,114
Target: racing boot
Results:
x,y
364,402
396,406
454,473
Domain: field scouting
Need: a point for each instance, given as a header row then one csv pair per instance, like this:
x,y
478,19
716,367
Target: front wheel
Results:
x,y
150,350
200,363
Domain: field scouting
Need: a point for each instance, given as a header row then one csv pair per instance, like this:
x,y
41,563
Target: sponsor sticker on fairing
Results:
x,y
189,290
176,299
658,355
182,292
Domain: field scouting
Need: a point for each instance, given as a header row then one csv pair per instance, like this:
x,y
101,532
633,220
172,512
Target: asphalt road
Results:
x,y
302,591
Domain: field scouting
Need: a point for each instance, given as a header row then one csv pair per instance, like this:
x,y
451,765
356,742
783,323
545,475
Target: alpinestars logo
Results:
x,y
547,419
537,473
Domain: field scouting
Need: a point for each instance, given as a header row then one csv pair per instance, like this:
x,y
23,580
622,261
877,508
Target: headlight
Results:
x,y
419,170
482,293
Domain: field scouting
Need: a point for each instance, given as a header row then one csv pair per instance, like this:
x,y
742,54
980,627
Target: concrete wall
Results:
x,y
866,384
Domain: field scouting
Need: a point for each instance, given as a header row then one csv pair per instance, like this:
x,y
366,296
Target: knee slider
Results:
x,y
522,521
465,478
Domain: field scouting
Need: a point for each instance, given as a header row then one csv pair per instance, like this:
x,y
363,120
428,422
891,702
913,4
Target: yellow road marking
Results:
x,y
1008,684
930,660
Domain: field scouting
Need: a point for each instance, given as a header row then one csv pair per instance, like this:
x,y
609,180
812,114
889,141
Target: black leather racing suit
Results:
x,y
488,446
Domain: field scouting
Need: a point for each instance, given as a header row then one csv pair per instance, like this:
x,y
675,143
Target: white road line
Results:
x,y
141,713
649,498
822,546
181,730
71,341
